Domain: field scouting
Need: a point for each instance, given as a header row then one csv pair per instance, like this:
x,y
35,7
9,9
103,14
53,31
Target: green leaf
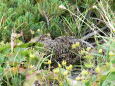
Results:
x,y
111,76
1,70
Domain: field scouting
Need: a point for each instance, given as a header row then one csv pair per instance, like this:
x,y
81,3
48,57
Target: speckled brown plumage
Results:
x,y
61,47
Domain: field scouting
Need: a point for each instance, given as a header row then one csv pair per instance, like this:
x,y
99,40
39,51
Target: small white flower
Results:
x,y
62,7
94,7
114,30
38,30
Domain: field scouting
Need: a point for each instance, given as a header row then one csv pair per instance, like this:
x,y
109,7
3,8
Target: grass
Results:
x,y
28,64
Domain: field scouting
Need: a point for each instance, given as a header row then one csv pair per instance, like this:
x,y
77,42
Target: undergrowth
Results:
x,y
28,64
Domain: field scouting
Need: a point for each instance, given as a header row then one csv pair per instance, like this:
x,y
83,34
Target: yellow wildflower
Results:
x,y
84,72
114,30
77,44
100,50
64,63
56,70
14,69
65,73
49,62
88,48
111,53
83,52
78,78
69,67
31,66
89,56
59,65
32,55
84,81
89,65
107,64
97,69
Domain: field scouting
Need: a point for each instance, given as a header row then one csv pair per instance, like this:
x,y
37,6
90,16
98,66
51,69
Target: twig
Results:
x,y
87,43
89,35
93,33
14,36
46,17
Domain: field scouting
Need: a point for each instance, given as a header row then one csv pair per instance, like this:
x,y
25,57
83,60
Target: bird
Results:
x,y
60,47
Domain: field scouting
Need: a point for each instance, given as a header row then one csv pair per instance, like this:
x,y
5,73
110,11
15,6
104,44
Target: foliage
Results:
x,y
28,64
